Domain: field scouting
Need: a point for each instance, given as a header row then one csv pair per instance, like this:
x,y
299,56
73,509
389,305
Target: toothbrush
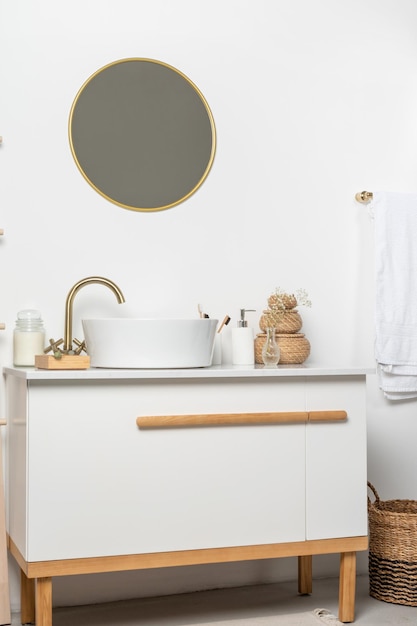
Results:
x,y
201,314
224,323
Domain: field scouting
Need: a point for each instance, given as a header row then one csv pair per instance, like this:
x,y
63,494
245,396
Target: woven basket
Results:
x,y
294,348
288,322
393,550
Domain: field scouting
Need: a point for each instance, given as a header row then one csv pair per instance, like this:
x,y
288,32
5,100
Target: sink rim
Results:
x,y
150,319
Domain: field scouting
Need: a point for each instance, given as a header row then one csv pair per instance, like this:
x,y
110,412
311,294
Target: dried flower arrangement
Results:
x,y
280,302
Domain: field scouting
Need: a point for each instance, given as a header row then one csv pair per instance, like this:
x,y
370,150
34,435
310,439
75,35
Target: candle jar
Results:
x,y
28,337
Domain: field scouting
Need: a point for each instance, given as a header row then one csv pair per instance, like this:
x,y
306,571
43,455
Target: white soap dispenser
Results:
x,y
243,342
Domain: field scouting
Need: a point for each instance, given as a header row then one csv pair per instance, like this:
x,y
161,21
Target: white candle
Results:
x,y
28,337
26,345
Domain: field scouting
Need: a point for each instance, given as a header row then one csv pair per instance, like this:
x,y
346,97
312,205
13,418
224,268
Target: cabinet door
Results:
x,y
336,460
101,486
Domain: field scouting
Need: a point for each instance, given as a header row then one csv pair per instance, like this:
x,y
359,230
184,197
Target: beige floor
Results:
x,y
238,603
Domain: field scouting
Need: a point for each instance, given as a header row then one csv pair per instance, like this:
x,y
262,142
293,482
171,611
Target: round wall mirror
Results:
x,y
142,134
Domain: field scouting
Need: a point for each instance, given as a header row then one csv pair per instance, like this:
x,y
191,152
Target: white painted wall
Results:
x,y
313,101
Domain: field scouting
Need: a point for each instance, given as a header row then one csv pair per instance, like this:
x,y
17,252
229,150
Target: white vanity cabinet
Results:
x,y
112,470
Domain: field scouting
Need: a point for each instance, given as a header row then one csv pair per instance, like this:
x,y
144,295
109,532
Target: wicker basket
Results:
x,y
393,550
288,322
294,348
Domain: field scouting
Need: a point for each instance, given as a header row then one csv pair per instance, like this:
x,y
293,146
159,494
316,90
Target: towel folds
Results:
x,y
395,216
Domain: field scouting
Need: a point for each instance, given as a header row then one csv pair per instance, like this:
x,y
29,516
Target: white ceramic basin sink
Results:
x,y
149,343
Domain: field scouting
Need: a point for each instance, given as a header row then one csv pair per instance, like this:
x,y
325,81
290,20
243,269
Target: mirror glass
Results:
x,y
142,134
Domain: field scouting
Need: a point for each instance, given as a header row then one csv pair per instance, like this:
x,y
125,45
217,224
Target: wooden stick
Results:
x,y
222,419
239,419
327,416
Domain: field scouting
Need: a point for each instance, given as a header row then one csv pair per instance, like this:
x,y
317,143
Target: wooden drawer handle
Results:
x,y
239,419
327,416
221,419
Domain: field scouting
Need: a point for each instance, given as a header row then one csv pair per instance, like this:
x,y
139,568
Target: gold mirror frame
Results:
x,y
142,134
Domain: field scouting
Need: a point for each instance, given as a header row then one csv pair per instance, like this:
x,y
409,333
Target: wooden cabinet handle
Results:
x,y
221,419
239,419
327,416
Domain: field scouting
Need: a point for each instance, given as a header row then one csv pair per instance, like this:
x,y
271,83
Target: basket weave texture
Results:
x,y
288,322
393,550
294,348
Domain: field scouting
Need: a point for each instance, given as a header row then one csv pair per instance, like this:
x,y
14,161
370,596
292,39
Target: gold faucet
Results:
x,y
67,347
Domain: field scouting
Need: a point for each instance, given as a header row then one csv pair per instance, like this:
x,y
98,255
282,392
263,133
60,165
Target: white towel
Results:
x,y
395,217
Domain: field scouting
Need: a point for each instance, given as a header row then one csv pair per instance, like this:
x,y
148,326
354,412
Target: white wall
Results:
x,y
313,101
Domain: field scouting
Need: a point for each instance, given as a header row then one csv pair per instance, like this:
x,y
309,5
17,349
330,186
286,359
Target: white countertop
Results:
x,y
217,371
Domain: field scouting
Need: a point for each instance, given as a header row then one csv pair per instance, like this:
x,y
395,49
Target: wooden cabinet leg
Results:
x,y
27,599
305,574
43,608
347,586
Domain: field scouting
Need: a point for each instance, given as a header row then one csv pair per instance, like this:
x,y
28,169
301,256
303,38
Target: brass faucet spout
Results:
x,y
70,299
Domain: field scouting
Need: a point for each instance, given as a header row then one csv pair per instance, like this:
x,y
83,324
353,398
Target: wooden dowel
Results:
x,y
327,416
222,419
239,419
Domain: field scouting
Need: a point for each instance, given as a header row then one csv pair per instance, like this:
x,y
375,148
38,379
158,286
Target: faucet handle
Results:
x,y
81,346
54,347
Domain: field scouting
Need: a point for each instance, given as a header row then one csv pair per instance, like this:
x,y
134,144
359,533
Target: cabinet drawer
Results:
x,y
98,485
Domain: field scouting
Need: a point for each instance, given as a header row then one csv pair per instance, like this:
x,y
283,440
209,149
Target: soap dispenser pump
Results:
x,y
243,343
